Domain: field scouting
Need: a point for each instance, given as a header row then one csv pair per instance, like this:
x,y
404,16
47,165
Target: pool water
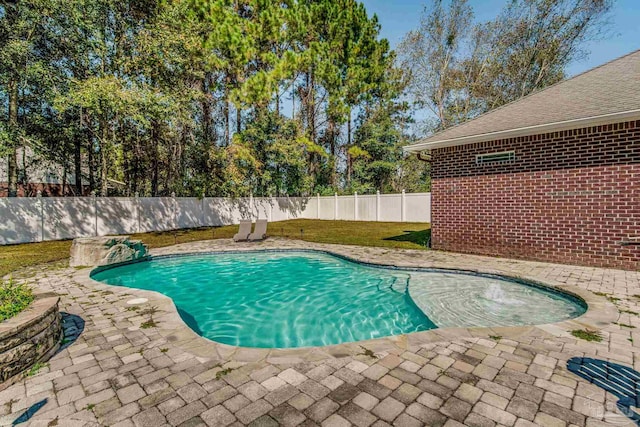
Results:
x,y
289,299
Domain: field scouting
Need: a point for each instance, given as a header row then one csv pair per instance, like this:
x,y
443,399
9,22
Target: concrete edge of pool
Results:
x,y
600,313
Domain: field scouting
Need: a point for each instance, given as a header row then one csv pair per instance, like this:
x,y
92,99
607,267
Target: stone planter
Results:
x,y
30,337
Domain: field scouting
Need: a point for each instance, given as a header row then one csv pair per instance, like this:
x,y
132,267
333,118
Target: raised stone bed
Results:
x,y
30,337
105,250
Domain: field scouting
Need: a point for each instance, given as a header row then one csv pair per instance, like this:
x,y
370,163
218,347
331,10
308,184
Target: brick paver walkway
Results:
x,y
117,373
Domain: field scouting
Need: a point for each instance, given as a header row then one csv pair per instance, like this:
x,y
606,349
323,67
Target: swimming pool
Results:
x,y
285,299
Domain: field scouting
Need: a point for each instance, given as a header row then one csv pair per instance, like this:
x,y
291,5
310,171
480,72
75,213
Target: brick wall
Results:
x,y
568,197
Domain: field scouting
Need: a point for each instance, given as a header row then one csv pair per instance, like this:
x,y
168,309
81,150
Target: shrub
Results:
x,y
14,297
586,334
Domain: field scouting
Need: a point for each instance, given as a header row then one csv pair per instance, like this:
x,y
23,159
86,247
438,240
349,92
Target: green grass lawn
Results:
x,y
383,234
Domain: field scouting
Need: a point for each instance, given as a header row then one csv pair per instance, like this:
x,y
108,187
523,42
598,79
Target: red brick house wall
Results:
x,y
568,197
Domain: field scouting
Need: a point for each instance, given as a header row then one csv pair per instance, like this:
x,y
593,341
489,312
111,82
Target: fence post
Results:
x,y
377,205
355,206
136,201
203,220
272,200
41,205
136,205
335,206
288,206
318,206
403,209
251,206
175,210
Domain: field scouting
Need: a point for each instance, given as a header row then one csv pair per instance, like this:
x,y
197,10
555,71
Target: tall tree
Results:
x,y
375,157
432,54
533,41
185,97
459,70
25,53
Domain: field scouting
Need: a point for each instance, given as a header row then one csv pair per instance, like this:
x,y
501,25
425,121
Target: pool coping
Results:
x,y
599,313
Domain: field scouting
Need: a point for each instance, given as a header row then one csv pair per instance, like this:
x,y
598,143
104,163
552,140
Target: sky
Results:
x,y
397,17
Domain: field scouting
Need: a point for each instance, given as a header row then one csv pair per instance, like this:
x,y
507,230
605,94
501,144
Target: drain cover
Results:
x,y
137,301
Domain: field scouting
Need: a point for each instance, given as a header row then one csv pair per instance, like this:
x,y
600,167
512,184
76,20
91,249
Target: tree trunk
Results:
x,y
77,158
238,120
349,130
311,100
207,123
154,143
90,161
64,177
12,166
227,123
25,177
227,111
104,158
104,186
331,131
135,172
349,159
168,176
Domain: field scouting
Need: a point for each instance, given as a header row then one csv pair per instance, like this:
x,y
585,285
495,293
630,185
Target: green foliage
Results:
x,y
278,157
625,325
151,311
610,297
635,313
376,158
188,97
14,297
368,352
148,324
36,368
414,175
587,335
223,372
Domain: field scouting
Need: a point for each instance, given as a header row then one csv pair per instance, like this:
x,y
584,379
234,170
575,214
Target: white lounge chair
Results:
x,y
260,231
243,231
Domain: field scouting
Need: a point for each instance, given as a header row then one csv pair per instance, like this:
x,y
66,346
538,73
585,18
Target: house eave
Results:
x,y
524,131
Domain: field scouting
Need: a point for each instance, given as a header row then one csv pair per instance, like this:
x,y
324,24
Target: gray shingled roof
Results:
x,y
611,88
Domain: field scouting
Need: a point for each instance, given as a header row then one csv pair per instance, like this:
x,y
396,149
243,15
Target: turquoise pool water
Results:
x,y
297,299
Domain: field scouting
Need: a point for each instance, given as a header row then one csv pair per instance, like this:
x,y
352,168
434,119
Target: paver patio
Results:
x,y
117,373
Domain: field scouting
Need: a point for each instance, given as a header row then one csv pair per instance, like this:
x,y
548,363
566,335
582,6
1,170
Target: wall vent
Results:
x,y
501,157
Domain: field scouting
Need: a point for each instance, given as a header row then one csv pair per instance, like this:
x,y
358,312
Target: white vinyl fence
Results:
x,y
404,207
37,219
